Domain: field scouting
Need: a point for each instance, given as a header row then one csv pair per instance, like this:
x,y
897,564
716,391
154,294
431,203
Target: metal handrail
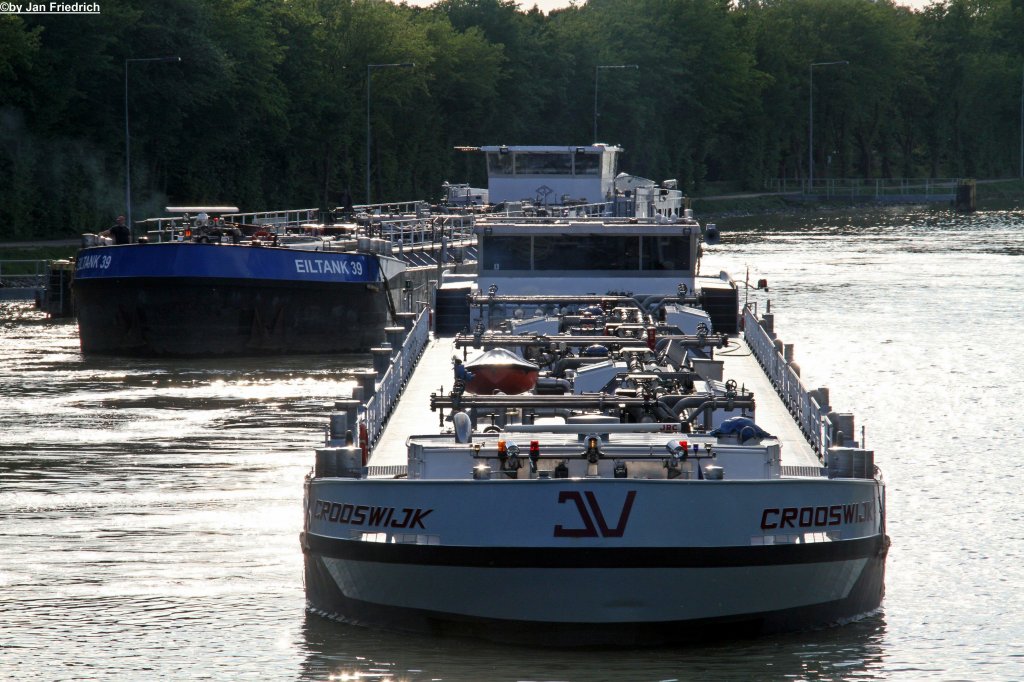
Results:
x,y
810,416
376,411
406,223
290,217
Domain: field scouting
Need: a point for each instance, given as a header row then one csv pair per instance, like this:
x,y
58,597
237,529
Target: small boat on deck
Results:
x,y
499,370
653,486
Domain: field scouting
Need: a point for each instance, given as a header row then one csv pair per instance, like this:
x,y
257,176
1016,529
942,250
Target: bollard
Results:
x,y
820,396
339,425
350,407
326,463
843,428
367,379
349,461
381,359
966,196
396,337
407,320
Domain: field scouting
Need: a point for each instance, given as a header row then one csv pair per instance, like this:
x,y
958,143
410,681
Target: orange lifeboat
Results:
x,y
500,370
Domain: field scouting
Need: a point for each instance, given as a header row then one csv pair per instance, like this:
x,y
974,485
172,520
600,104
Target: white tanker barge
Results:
x,y
667,478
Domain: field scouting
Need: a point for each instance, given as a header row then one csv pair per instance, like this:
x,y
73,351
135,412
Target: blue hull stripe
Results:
x,y
176,260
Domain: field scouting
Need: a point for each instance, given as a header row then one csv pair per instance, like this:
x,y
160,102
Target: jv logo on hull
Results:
x,y
592,517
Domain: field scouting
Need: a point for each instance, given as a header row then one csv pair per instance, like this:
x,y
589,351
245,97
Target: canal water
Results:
x,y
150,510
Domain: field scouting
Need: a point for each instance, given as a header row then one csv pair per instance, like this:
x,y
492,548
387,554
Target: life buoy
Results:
x,y
364,442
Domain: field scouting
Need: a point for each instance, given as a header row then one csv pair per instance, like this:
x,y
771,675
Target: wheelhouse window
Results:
x,y
499,164
585,252
587,163
543,163
665,253
506,253
560,252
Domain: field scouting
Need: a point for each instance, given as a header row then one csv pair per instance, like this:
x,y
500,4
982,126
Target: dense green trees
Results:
x,y
267,108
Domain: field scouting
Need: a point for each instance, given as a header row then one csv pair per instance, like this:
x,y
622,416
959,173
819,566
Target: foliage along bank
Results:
x,y
267,107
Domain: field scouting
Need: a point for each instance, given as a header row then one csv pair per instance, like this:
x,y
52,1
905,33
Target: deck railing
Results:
x,y
405,224
170,228
290,218
811,416
407,231
389,386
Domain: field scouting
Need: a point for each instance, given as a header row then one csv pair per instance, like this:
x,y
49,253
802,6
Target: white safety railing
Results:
x,y
406,231
289,218
419,208
176,228
407,224
526,209
376,411
810,416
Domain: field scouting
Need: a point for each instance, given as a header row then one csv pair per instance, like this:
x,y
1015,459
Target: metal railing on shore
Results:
x,y
23,274
809,409
860,188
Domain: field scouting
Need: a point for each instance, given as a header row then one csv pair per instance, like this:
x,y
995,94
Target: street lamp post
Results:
x,y
369,75
810,122
1022,123
127,138
597,71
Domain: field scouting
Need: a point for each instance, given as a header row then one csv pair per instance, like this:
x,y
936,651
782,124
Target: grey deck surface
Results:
x,y
413,415
770,412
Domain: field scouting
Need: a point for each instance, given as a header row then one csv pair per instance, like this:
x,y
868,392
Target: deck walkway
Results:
x,y
413,414
771,413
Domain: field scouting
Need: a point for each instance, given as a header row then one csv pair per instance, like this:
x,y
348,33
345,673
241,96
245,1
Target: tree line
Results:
x,y
267,107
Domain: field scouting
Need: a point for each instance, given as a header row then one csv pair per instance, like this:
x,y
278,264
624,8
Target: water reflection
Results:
x,y
150,510
337,651
909,229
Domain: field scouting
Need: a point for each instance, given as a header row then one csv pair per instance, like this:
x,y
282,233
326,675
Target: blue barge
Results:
x,y
188,299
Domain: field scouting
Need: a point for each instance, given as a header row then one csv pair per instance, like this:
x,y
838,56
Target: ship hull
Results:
x,y
211,300
602,567
707,595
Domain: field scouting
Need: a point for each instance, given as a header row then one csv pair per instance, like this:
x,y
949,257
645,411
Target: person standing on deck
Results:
x,y
119,232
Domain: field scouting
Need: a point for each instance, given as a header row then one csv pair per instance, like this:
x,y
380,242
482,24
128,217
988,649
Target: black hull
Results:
x,y
324,598
194,317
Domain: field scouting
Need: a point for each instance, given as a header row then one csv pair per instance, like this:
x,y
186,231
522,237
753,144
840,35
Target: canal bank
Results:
x,y
715,205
